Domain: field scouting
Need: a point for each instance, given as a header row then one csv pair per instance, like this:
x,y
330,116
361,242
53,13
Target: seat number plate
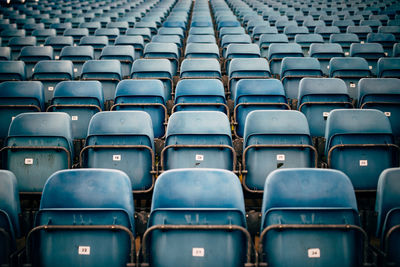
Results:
x,y
116,157
314,253
363,162
280,157
199,157
28,161
84,250
198,252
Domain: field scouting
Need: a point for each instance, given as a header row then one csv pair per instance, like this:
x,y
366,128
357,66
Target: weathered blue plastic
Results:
x,y
275,127
110,33
12,71
33,54
48,135
328,93
234,39
119,128
345,40
241,51
136,41
197,197
124,53
231,31
141,94
277,52
292,30
388,209
326,31
97,42
363,165
251,94
5,53
171,31
310,197
76,33
361,31
58,42
198,128
201,31
389,67
324,53
199,50
305,40
371,52
260,30
201,38
17,43
173,39
144,32
84,197
163,50
9,212
387,40
208,68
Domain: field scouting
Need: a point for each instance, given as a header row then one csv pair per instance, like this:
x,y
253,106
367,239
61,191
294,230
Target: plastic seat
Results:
x,y
198,139
97,42
343,24
201,31
201,38
387,207
143,95
381,94
92,26
259,30
324,53
294,69
231,31
12,71
115,139
200,50
122,26
123,53
32,139
387,40
388,67
310,217
9,211
103,202
76,33
291,31
374,24
30,27
199,218
108,72
17,43
256,94
163,39
200,95
60,27
234,39
148,24
318,97
110,33
345,40
78,55
160,69
370,52
390,29
144,32
305,41
361,31
171,31
326,31
312,24
350,70
168,51
274,139
267,39
200,68
32,55
58,42
135,41
6,35
277,52
360,143
81,100
51,72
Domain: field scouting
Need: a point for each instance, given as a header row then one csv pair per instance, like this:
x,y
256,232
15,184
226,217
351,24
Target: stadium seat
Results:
x,y
361,31
345,40
110,33
310,217
78,55
195,68
97,42
76,33
102,202
60,27
387,40
58,42
171,31
143,95
200,50
292,30
198,139
371,52
6,35
116,139
123,53
17,43
144,32
274,139
12,71
168,51
32,139
277,52
201,38
326,31
135,41
360,143
122,26
390,29
259,30
32,55
305,40
267,39
389,67
312,24
92,26
324,53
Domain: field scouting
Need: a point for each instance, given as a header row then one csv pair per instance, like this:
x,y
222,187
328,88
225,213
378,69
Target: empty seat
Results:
x,y
231,31
160,69
33,139
33,54
51,72
326,31
256,94
343,24
201,31
171,31
277,52
259,30
190,210
371,52
389,67
92,26
168,51
345,40
387,207
361,31
143,95
193,68
384,95
292,30
17,43
305,40
9,212
135,41
318,97
97,42
274,139
374,24
115,139
198,139
144,32
103,202
324,53
122,26
110,33
240,51
313,212
60,27
200,50
123,53
390,29
312,24
81,100
78,55
387,40
267,39
350,70
360,143
5,53
108,72
208,39
6,35
58,42
76,33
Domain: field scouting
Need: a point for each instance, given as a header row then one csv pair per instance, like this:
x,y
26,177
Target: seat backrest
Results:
x,y
102,69
151,68
201,68
199,50
9,205
124,53
97,42
36,53
161,50
12,70
279,51
259,91
348,66
53,69
389,67
310,89
22,93
304,66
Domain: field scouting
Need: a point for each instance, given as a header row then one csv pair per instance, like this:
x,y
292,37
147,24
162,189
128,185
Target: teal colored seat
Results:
x,y
168,51
389,67
32,55
125,54
277,52
200,68
12,71
78,55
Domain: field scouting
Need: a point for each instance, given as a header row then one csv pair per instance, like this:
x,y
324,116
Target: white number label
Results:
x,y
84,250
199,157
370,67
325,114
74,118
57,57
346,53
12,118
198,252
28,161
75,70
116,157
363,163
280,157
352,85
388,114
314,253
51,88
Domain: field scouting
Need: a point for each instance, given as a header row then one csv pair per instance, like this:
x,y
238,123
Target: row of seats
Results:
x,y
308,214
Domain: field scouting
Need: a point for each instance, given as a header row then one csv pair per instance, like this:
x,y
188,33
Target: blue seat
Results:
x,y
194,68
200,50
76,33
115,139
190,210
30,27
12,71
360,143
240,51
256,94
294,69
234,39
108,72
350,70
9,211
267,39
174,39
371,52
81,100
317,97
32,139
125,54
277,52
310,217
122,26
32,55
231,31
361,31
201,31
200,95
110,33
102,202
144,32
305,40
149,25
388,207
136,41
143,95
374,24
58,42
343,24
6,35
171,31
92,26
312,24
18,97
42,34
292,30
326,31
274,139
381,94
160,69
51,72
345,40
259,30
60,27
78,55
17,43
389,67
97,42
198,139
201,38
168,51
324,53
387,40
391,29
